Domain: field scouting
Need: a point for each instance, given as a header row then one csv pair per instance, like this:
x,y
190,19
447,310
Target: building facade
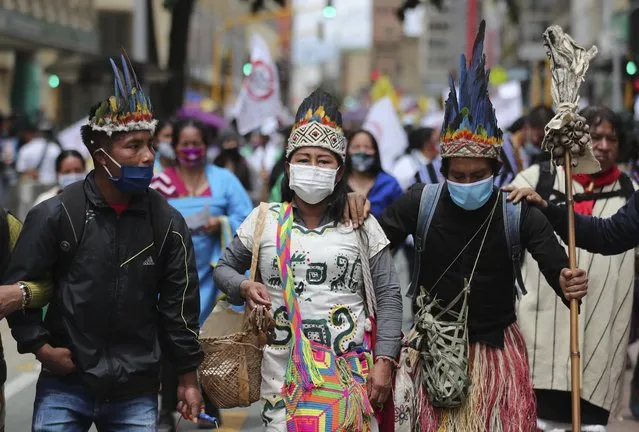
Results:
x,y
32,33
388,33
444,38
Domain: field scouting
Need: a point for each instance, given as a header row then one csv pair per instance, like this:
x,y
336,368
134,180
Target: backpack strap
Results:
x,y
74,202
427,206
546,182
512,220
161,222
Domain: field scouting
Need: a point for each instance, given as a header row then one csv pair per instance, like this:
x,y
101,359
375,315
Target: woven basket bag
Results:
x,y
230,372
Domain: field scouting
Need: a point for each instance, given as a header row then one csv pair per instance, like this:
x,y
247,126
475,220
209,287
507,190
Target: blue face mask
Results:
x,y
133,179
471,196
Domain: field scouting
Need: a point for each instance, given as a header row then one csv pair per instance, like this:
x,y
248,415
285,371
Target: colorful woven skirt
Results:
x,y
501,397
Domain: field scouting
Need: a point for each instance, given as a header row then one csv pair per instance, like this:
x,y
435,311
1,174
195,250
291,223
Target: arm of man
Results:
x,y
41,291
179,308
32,260
400,218
610,236
538,237
179,301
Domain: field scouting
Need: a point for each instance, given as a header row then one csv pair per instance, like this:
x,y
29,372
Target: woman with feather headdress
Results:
x,y
328,365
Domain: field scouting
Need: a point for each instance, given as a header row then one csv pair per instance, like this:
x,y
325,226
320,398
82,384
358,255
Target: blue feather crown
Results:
x,y
128,109
470,126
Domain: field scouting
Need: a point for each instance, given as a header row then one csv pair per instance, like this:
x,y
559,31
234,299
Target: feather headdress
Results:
x,y
318,123
128,109
470,126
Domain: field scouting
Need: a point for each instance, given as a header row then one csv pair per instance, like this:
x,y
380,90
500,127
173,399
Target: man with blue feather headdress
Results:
x,y
464,363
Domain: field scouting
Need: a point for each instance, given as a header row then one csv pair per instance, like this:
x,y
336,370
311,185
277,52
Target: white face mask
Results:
x,y
312,184
165,149
65,180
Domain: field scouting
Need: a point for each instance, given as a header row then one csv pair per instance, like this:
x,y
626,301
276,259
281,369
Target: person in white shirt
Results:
x,y
36,158
70,168
420,164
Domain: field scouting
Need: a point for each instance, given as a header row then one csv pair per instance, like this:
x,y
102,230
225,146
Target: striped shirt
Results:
x,y
604,321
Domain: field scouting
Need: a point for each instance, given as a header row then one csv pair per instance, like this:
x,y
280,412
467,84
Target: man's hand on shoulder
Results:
x,y
527,194
357,209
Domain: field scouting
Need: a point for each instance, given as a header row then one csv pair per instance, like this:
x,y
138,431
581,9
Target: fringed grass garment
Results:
x,y
501,397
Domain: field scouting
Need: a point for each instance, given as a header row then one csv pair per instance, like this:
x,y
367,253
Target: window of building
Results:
x,y
439,25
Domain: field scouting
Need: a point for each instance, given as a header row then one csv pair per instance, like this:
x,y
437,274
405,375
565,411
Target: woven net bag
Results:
x,y
231,371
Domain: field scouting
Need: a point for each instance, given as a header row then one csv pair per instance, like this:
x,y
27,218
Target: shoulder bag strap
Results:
x,y
257,238
370,298
301,363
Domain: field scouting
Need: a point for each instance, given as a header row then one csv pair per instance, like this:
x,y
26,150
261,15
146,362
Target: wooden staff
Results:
x,y
575,355
568,138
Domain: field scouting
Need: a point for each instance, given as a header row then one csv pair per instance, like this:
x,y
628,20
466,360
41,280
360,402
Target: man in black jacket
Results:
x,y
610,236
122,295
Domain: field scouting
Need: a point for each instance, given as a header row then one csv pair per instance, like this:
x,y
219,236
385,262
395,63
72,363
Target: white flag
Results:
x,y
260,96
383,122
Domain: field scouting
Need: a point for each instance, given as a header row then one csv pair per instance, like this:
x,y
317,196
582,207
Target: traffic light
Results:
x,y
247,68
54,81
329,11
631,68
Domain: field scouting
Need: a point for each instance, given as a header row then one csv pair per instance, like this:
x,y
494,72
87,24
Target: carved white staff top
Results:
x,y
569,63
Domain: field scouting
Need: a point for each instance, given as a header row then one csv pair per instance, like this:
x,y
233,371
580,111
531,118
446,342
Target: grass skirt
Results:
x,y
501,397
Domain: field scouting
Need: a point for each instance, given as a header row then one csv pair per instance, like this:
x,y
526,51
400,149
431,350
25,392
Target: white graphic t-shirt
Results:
x,y
328,282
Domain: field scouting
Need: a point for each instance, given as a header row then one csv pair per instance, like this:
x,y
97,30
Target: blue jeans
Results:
x,y
67,405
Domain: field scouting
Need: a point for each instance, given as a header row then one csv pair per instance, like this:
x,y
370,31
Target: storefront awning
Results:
x,y
19,30
78,68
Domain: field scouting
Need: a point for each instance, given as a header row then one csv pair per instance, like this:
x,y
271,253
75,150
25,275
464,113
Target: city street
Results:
x,y
22,373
